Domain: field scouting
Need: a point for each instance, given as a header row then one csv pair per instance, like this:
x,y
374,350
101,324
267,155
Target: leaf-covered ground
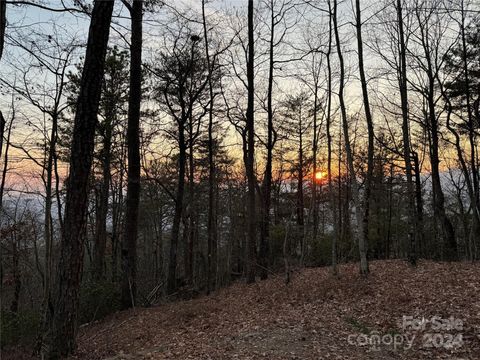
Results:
x,y
316,316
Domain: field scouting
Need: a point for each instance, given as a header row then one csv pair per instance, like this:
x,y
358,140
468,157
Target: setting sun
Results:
x,y
320,175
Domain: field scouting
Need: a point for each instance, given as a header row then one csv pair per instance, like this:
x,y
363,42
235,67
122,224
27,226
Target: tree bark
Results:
x,y
192,216
3,24
2,131
48,231
300,197
314,156
62,308
251,219
475,228
360,233
5,157
212,209
336,232
450,244
412,217
177,217
129,243
102,211
418,202
17,276
266,193
363,239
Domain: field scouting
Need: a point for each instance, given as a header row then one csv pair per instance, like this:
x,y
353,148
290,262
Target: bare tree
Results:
x,y
5,155
336,232
360,233
62,309
297,125
460,98
249,165
3,25
129,244
429,40
363,240
212,236
402,82
183,76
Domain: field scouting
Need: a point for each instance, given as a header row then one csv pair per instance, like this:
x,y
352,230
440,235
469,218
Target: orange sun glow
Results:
x,y
320,175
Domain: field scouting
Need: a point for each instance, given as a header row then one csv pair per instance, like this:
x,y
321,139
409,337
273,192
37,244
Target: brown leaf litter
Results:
x,y
316,316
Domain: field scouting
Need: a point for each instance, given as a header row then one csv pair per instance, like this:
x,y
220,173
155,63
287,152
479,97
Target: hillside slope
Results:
x,y
314,317
311,318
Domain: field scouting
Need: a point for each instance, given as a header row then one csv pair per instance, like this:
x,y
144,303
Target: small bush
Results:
x,y
277,237
320,251
19,328
97,300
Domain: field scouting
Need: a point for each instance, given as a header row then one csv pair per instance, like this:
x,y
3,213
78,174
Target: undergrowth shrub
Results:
x,y
19,328
97,300
320,251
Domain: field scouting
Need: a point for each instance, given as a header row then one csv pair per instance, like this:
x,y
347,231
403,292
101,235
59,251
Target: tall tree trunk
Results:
x,y
450,252
450,244
341,228
17,280
336,232
117,213
470,183
251,219
3,25
191,209
412,217
5,158
62,309
475,228
2,131
300,197
212,209
360,233
463,166
418,202
129,243
266,193
177,217
314,156
102,211
48,231
363,239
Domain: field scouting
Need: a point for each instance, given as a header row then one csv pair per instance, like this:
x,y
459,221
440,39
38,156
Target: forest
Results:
x,y
273,179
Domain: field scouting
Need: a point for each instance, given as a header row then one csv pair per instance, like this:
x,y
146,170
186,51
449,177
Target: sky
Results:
x,y
26,22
